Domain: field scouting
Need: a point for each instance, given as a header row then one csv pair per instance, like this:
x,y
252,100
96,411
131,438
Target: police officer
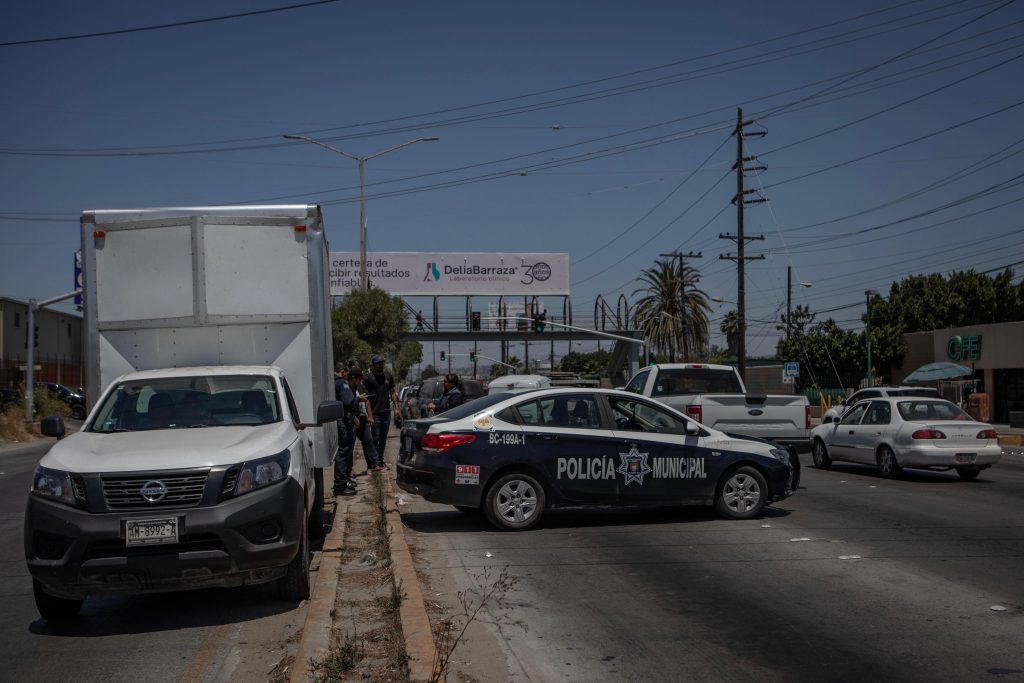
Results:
x,y
344,485
380,389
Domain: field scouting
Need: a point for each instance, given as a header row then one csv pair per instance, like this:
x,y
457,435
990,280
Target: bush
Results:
x,y
12,424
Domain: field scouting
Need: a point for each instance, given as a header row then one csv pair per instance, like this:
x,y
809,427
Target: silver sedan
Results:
x,y
899,432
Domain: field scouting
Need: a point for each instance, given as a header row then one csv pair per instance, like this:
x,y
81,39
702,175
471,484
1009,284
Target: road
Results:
x,y
853,578
209,635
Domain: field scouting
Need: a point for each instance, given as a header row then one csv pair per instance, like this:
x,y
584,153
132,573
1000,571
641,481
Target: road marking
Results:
x,y
206,653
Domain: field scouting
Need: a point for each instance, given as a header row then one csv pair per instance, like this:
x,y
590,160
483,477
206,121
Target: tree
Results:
x,y
730,327
499,370
368,322
593,363
409,353
673,313
428,372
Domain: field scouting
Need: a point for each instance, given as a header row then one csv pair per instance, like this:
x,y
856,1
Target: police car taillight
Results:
x,y
440,443
695,413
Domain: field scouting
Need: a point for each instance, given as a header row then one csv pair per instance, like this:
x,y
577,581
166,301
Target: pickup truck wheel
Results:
x,y
294,585
515,502
741,493
53,608
820,454
888,465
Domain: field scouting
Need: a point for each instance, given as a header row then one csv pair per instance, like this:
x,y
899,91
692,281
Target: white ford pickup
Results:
x,y
715,396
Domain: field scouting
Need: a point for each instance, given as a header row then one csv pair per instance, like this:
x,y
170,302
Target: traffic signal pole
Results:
x,y
30,349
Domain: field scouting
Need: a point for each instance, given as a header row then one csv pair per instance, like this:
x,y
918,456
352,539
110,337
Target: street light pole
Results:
x,y
362,195
789,298
869,293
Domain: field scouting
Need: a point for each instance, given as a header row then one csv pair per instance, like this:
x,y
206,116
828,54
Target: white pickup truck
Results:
x,y
714,395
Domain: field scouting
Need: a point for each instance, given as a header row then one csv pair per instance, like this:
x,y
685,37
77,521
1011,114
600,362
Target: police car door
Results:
x,y
567,437
657,460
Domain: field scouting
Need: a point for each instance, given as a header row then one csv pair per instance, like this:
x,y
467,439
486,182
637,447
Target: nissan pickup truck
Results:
x,y
715,396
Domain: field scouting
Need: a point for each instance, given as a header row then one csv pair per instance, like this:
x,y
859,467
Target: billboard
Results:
x,y
460,274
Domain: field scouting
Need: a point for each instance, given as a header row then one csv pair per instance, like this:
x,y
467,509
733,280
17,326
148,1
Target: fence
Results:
x,y
49,368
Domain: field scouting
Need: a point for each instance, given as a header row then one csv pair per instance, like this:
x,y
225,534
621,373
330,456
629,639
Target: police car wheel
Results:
x,y
741,494
820,454
514,502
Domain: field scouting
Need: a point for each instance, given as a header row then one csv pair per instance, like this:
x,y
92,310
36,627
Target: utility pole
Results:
x,y
741,201
869,293
682,288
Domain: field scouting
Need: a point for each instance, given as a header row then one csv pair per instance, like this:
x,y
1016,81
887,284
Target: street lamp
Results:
x,y
789,297
869,293
720,300
362,205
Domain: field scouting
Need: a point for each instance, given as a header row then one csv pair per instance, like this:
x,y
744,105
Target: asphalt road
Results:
x,y
208,635
854,578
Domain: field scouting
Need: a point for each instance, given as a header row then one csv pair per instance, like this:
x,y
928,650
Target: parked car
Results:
x,y
430,391
75,400
836,411
917,432
518,383
515,455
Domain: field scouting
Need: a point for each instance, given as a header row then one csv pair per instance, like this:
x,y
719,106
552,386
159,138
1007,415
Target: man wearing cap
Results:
x,y
344,485
380,389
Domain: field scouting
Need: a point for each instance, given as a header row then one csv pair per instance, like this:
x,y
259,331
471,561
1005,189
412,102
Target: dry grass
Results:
x,y
13,427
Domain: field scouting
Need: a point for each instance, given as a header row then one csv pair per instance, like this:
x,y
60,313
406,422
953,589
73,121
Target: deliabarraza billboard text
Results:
x,y
419,274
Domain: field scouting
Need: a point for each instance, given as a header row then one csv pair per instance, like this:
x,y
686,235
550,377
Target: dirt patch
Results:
x,y
366,637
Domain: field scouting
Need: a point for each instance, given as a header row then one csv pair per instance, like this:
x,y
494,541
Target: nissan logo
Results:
x,y
153,491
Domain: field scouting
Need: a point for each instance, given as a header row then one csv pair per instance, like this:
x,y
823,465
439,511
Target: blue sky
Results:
x,y
623,155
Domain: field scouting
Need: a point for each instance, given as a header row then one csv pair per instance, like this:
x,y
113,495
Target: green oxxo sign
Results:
x,y
964,347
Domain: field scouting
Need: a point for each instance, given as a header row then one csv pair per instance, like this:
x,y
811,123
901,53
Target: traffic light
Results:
x,y
442,356
36,336
472,356
538,322
475,320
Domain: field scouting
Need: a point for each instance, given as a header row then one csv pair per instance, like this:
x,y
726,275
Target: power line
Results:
x,y
158,27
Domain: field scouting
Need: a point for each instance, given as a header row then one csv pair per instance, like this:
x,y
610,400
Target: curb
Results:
x,y
316,631
419,638
1010,439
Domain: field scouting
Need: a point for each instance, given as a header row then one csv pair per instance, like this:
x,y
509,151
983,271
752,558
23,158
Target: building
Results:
x,y
995,352
57,339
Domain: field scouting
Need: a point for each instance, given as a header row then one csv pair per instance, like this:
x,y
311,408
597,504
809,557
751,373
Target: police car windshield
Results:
x,y
475,406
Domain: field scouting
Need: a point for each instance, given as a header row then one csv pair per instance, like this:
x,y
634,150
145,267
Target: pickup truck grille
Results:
x,y
125,492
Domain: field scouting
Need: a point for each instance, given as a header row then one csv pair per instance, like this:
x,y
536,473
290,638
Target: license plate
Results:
x,y
408,444
965,458
151,531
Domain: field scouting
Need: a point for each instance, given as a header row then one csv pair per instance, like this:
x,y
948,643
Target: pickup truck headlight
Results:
x,y
257,474
54,485
780,454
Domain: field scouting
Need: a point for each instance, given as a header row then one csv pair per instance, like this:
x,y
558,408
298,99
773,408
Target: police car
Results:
x,y
515,455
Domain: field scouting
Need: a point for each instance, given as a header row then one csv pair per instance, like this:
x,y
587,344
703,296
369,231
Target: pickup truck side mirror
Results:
x,y
329,411
52,425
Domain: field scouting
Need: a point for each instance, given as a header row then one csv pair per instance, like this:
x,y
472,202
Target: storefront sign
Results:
x,y
961,348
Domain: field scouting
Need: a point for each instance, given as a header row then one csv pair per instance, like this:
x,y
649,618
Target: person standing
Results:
x,y
344,485
380,389
419,322
452,395
365,426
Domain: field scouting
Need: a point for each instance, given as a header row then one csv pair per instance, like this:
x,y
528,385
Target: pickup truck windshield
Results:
x,y
674,382
181,402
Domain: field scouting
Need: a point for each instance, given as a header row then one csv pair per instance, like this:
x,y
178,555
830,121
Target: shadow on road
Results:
x,y
447,522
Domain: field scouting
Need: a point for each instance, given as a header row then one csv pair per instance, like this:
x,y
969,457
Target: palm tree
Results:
x,y
673,313
730,327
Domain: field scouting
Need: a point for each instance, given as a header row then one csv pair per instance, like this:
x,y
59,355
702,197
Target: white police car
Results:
x,y
514,455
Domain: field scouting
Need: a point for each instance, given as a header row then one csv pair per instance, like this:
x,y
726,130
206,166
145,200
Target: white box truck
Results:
x,y
208,350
